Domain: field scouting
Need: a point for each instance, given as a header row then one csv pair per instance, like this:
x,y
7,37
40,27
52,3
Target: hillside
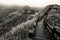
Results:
x,y
16,17
11,17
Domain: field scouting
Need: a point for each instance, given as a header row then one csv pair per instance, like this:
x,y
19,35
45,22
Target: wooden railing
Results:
x,y
52,30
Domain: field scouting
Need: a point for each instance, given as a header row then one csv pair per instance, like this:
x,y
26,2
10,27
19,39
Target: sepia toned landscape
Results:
x,y
30,23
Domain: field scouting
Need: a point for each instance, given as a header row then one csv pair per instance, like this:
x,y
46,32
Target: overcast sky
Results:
x,y
35,3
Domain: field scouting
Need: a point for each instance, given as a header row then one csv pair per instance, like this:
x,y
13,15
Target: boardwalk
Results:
x,y
41,33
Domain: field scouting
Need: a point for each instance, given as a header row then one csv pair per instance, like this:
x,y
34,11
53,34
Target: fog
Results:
x,y
33,3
